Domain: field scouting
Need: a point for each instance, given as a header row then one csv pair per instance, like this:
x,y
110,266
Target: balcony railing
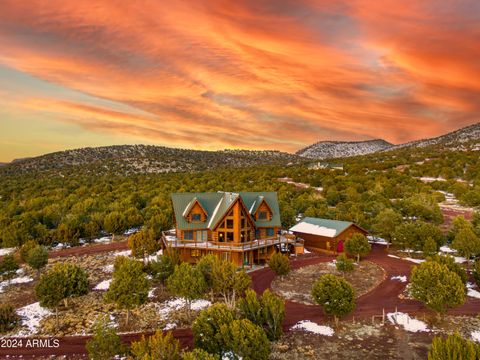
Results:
x,y
170,240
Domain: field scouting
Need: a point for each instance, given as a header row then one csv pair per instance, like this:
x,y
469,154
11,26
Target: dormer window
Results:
x,y
262,215
196,217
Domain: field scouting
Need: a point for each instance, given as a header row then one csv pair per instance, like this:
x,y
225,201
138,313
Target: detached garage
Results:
x,y
323,235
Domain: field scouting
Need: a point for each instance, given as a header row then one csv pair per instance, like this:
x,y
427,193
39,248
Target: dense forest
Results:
x,y
78,203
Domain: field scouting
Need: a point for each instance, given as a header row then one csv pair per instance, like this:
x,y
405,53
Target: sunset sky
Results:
x,y
254,74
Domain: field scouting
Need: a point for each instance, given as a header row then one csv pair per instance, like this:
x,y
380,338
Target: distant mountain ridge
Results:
x,y
131,159
338,149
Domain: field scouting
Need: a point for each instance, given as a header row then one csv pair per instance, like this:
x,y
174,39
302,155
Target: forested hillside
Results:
x,y
77,202
145,159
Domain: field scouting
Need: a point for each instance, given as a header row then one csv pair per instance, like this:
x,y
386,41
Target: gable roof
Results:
x,y
190,206
217,204
322,227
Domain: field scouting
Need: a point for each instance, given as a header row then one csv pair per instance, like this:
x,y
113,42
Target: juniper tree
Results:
x,y
343,263
37,257
228,282
436,286
199,354
206,328
105,343
453,347
156,347
357,245
335,295
245,340
129,286
449,262
143,243
467,243
430,247
280,264
188,282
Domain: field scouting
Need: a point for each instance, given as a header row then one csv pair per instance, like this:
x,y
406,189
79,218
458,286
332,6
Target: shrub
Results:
x,y
8,265
245,340
430,247
8,318
206,328
25,248
335,294
267,311
164,267
228,282
453,347
37,257
105,343
476,272
143,243
357,245
75,280
199,354
156,347
280,264
343,263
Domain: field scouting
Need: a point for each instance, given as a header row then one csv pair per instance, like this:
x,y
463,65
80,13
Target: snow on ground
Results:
x,y
131,231
123,253
408,323
459,259
151,293
179,303
155,256
169,326
305,251
103,286
108,268
105,239
472,292
416,261
6,251
476,335
399,278
447,249
376,240
17,280
309,326
31,315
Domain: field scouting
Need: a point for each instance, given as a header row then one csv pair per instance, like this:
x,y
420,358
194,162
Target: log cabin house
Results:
x,y
325,236
244,227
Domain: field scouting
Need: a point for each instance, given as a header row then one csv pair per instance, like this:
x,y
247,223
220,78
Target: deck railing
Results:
x,y
171,240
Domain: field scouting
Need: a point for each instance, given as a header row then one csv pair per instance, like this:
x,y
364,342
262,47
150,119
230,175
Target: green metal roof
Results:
x,y
217,204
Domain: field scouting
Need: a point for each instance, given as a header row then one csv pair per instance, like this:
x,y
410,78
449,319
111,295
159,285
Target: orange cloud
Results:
x,y
213,74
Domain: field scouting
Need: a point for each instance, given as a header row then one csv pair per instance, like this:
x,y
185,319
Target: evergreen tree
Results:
x,y
335,295
50,291
244,340
8,265
280,264
37,257
476,271
206,328
75,280
357,245
228,282
467,243
453,347
436,286
25,248
156,347
343,263
143,243
129,286
449,262
105,343
8,318
385,222
187,282
430,247
164,267
199,354
115,223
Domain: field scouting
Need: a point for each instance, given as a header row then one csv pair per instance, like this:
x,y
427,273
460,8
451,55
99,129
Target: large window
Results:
x,y
188,235
202,235
196,217
229,223
262,215
270,232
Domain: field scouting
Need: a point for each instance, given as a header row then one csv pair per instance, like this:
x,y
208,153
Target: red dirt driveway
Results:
x,y
384,296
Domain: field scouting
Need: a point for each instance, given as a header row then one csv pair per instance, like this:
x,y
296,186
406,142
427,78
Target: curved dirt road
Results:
x,y
384,296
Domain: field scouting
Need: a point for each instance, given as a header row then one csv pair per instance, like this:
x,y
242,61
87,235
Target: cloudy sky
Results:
x,y
256,74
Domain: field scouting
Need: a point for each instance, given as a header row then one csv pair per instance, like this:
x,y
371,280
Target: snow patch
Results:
x,y
447,249
103,286
416,261
179,303
376,240
6,251
472,292
476,335
17,280
408,323
123,253
309,326
401,278
31,315
108,268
